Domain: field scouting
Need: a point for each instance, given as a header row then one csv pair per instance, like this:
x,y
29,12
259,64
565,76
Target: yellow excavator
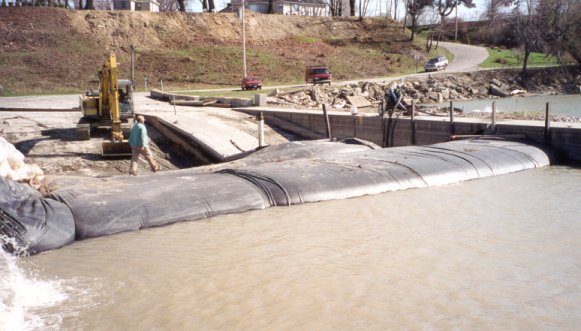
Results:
x,y
110,108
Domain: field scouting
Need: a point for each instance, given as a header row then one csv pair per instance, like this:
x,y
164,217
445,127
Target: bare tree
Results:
x,y
173,5
526,30
335,7
415,8
352,7
434,30
445,7
493,8
363,5
560,26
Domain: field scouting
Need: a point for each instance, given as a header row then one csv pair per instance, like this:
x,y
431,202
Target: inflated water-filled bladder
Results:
x,y
286,174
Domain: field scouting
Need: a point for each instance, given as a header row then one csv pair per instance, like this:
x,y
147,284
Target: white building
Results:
x,y
284,7
136,5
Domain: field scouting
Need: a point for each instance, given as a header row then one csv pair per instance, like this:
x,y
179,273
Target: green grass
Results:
x,y
236,92
502,58
306,39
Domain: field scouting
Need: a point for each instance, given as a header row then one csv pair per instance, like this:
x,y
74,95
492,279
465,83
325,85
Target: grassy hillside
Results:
x,y
53,50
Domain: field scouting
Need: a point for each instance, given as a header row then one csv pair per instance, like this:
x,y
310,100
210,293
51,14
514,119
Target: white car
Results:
x,y
437,63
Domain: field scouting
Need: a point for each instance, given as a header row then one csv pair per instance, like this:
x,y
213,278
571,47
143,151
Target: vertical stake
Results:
x,y
133,66
451,118
413,123
493,116
327,123
260,129
173,100
547,126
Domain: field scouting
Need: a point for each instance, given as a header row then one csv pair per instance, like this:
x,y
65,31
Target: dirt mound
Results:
x,y
48,50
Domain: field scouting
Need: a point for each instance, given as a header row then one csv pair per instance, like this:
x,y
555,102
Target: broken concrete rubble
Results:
x,y
343,97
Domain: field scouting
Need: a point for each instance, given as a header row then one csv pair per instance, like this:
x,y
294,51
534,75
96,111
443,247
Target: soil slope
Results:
x,y
49,50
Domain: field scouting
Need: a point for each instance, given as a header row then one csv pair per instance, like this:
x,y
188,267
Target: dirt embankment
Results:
x,y
48,50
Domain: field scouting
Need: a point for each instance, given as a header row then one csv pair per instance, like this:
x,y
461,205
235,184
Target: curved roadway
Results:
x,y
466,57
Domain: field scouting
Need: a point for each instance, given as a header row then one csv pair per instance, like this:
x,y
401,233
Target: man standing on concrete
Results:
x,y
139,142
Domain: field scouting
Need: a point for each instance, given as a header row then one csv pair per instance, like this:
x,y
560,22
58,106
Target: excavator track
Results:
x,y
83,131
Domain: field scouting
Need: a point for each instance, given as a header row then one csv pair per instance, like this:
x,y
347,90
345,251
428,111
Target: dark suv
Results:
x,y
318,75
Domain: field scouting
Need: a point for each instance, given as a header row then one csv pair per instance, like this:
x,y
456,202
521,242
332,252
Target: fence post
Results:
x,y
493,116
547,126
413,123
452,131
327,123
260,129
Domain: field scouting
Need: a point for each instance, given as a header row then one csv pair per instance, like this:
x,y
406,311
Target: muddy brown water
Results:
x,y
500,253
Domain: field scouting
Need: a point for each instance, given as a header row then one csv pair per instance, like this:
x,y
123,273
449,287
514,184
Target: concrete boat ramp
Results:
x,y
211,134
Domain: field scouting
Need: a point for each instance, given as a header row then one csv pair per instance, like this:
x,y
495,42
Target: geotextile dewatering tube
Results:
x,y
286,174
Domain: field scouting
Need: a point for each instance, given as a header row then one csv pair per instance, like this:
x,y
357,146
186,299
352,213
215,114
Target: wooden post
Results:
x,y
145,83
493,116
260,129
452,131
413,123
547,126
133,66
327,123
173,101
161,82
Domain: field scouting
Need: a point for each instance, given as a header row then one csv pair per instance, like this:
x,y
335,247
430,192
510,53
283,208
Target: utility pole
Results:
x,y
456,30
243,38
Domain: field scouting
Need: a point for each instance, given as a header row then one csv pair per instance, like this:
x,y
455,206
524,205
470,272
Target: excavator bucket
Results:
x,y
115,149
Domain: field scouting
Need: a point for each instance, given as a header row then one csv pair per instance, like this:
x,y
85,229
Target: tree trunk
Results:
x,y
181,5
413,27
211,6
525,60
89,5
271,6
205,5
352,7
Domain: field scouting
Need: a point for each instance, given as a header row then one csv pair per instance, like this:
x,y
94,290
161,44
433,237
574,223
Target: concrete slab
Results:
x,y
68,101
222,132
359,101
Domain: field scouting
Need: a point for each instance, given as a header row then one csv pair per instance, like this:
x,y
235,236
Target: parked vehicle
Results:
x,y
251,83
437,63
318,75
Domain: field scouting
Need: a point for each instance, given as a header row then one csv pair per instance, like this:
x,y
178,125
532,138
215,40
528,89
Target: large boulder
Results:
x,y
498,91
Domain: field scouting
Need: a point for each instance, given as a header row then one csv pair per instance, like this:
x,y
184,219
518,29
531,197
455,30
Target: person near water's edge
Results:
x,y
139,142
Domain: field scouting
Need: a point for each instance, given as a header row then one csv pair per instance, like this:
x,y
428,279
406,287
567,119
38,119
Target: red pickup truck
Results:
x,y
251,83
318,75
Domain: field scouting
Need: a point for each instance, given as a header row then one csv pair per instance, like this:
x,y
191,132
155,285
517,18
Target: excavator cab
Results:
x,y
111,108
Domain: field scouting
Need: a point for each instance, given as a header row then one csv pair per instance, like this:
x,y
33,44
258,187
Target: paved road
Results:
x,y
466,57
